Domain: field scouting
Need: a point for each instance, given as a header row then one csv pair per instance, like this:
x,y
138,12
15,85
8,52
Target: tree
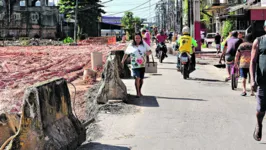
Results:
x,y
88,13
206,16
130,23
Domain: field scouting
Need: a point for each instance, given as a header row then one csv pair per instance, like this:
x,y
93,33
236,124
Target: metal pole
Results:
x,y
188,15
181,15
9,10
76,20
150,10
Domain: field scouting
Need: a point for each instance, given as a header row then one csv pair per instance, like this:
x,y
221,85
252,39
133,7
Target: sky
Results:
x,y
140,8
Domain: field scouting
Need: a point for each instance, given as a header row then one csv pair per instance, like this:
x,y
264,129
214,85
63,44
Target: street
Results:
x,y
201,113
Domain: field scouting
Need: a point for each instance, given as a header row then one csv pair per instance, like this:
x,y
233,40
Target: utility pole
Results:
x,y
188,15
181,15
76,20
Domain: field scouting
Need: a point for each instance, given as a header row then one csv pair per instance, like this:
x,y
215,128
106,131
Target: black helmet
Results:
x,y
234,34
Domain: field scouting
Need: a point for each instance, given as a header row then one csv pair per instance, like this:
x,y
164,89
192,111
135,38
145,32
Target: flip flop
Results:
x,y
244,94
257,135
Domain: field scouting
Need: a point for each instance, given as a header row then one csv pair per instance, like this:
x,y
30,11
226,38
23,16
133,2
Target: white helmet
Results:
x,y
185,30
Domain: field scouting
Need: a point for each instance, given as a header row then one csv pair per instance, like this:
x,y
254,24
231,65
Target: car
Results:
x,y
209,39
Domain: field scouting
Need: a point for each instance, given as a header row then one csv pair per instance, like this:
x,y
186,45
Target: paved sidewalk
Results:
x,y
201,113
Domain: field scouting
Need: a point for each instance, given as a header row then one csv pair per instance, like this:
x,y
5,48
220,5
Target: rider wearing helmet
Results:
x,y
186,44
161,40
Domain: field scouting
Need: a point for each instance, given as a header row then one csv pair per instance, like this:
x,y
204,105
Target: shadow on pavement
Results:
x,y
169,63
208,80
132,78
202,63
168,68
144,101
156,74
185,99
99,146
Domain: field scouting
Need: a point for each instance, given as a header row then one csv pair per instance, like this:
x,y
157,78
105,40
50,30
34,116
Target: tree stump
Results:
x,y
110,88
124,71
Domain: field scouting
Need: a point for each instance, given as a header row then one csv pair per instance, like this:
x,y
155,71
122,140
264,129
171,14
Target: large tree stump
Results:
x,y
124,71
110,88
47,121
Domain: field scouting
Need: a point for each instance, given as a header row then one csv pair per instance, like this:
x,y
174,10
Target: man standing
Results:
x,y
217,40
258,79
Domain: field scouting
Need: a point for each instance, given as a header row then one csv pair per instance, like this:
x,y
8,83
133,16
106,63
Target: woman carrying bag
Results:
x,y
138,50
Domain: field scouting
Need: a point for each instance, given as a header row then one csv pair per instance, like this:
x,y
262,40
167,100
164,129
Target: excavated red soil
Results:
x,y
21,67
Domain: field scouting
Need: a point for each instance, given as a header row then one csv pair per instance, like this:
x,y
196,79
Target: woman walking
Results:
x,y
138,50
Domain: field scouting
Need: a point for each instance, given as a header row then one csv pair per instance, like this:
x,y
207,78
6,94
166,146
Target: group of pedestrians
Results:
x,y
250,57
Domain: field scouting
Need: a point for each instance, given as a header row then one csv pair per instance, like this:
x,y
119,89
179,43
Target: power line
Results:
x,y
131,9
139,10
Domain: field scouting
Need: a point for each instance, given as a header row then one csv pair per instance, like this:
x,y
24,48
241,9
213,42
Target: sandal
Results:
x,y
244,94
257,133
227,79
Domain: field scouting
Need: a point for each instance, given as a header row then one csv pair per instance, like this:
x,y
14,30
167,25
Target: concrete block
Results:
x,y
96,60
89,73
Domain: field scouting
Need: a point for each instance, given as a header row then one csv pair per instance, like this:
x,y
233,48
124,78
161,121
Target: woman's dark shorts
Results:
x,y
138,72
261,99
244,72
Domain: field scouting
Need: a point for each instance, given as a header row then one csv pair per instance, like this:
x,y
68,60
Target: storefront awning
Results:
x,y
224,17
110,26
237,7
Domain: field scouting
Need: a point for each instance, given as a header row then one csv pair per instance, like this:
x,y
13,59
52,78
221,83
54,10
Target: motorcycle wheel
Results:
x,y
161,56
185,72
233,81
236,81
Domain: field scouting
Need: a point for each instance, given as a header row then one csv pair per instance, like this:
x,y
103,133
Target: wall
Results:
x,y
29,21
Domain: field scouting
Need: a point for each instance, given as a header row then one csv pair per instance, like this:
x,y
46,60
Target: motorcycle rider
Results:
x,y
161,40
185,44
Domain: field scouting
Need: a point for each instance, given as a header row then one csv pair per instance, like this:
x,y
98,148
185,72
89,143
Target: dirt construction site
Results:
x,y
33,79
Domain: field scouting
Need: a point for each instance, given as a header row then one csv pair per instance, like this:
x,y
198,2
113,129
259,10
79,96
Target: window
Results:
x,y
51,2
17,16
35,3
1,3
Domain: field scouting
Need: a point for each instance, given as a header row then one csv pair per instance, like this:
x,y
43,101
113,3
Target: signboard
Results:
x,y
112,20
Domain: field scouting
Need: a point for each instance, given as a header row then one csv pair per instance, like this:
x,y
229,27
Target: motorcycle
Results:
x,y
161,51
185,64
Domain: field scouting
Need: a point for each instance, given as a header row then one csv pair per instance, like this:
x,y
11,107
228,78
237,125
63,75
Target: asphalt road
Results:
x,y
201,113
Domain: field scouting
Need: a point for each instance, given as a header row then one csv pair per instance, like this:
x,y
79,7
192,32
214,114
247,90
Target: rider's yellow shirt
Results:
x,y
185,43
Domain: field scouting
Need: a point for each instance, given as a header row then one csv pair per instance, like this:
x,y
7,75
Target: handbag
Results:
x,y
151,67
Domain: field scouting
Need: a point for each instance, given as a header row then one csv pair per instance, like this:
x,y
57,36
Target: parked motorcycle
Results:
x,y
161,51
185,64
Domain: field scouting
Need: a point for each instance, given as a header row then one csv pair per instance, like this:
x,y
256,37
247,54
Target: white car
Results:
x,y
209,39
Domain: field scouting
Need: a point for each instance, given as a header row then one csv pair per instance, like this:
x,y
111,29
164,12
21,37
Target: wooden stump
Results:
x,y
111,87
124,71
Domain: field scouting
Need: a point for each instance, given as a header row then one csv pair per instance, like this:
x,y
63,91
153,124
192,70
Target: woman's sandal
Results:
x,y
257,133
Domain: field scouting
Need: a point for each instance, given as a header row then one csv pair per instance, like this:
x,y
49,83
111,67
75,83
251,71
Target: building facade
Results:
x,y
29,18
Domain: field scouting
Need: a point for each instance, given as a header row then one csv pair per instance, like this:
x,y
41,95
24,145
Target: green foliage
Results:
x,y
68,40
228,27
205,16
128,22
25,42
88,13
185,10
